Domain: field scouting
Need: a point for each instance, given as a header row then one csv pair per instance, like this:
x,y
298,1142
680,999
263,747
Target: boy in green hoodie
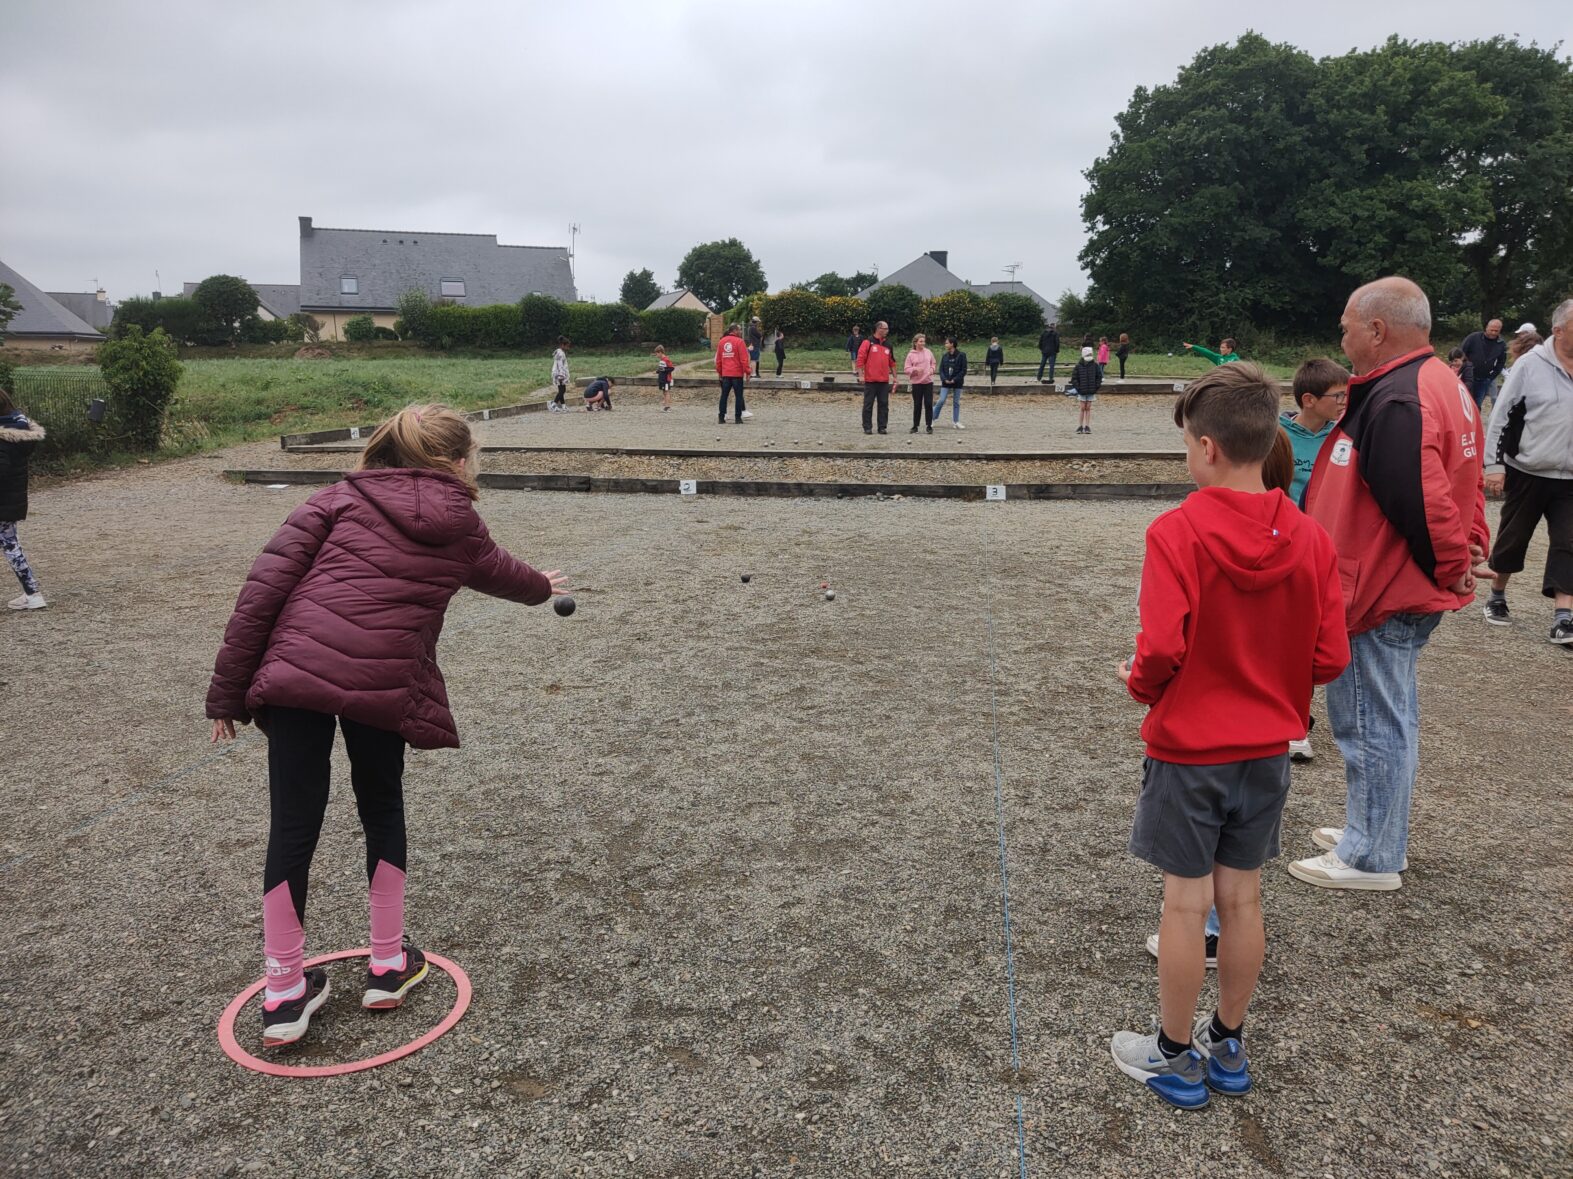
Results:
x,y
1225,354
1321,387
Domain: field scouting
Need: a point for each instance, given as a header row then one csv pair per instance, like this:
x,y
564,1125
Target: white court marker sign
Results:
x,y
688,487
994,491
354,433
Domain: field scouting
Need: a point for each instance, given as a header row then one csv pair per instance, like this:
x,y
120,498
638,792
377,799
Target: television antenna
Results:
x,y
1010,268
573,235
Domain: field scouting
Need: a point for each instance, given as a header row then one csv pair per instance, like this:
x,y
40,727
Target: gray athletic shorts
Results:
x,y
1192,817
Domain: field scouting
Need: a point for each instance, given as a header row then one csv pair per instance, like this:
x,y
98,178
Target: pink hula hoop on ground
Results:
x,y
233,1050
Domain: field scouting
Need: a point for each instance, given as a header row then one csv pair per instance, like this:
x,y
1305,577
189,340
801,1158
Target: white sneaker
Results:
x,y
1327,838
747,413
1328,871
1301,750
959,426
28,602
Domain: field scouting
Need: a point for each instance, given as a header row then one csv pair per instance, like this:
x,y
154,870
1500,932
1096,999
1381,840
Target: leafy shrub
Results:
x,y
382,333
415,314
494,326
1016,315
181,320
360,328
7,377
270,331
964,314
541,319
842,311
897,305
227,301
143,372
305,327
800,312
672,326
593,324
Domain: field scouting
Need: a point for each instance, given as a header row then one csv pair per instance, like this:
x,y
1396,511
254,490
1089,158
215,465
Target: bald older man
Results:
x,y
1398,486
1486,352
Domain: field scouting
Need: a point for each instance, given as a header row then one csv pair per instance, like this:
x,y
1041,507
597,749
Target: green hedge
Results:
x,y
673,326
537,320
360,328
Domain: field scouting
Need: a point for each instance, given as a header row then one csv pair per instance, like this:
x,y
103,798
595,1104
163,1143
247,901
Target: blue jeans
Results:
x,y
1481,389
1047,360
1374,708
730,385
955,402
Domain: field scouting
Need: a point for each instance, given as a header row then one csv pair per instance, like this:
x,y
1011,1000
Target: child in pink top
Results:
x,y
919,367
1103,352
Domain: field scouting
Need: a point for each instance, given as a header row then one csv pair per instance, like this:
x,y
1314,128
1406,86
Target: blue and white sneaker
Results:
x,y
1181,1081
1226,1064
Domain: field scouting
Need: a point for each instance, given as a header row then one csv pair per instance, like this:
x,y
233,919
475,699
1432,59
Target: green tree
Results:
x,y
721,273
142,372
1520,255
898,306
1192,215
9,307
830,285
360,329
640,288
228,301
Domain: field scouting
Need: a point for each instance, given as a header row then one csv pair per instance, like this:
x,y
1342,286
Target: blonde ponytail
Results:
x,y
430,436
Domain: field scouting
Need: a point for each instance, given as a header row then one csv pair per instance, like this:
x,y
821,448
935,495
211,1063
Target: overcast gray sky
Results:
x,y
185,138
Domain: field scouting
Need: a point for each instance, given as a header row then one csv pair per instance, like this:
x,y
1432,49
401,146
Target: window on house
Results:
x,y
349,285
453,288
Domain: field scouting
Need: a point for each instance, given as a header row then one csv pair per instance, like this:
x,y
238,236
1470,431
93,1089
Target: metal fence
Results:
x,y
65,401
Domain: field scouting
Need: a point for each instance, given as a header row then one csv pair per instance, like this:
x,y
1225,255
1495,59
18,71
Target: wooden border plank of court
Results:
x,y
699,452
352,433
765,488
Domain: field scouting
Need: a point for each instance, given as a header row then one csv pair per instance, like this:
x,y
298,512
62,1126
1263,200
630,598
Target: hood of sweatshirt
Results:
x,y
432,507
1294,428
1251,537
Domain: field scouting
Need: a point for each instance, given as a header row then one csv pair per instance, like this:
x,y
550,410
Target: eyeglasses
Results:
x,y
1338,395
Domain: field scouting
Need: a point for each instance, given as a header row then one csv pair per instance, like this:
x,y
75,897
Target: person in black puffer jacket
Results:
x,y
18,437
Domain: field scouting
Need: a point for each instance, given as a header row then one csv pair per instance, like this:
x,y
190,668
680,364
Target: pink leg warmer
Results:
x,y
386,900
283,940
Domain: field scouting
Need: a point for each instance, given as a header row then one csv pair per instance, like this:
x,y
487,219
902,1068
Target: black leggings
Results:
x,y
562,391
1122,367
300,752
994,371
780,360
923,405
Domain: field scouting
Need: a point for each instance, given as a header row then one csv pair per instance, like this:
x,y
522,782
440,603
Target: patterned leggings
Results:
x,y
13,553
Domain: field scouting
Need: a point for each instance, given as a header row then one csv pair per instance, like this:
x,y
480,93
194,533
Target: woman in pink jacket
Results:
x,y
336,627
919,368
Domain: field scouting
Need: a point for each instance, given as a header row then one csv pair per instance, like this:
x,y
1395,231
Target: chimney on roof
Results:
x,y
305,227
102,295
942,257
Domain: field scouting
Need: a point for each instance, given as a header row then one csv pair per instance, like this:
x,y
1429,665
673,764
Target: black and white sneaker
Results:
x,y
387,988
1562,633
288,1022
1212,949
1496,613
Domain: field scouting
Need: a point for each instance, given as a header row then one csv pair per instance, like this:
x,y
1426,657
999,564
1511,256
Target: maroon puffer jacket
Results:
x,y
341,612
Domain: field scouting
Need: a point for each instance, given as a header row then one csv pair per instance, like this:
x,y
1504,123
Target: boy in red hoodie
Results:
x,y
1241,613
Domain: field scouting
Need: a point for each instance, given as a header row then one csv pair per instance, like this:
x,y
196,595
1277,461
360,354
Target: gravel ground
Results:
x,y
810,420
723,863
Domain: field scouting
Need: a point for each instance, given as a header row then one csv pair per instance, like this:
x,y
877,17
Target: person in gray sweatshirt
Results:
x,y
1529,460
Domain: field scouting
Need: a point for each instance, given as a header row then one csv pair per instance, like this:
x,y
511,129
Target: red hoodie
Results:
x,y
1241,614
731,358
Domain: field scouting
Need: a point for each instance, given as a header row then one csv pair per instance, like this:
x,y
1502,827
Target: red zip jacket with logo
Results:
x,y
1241,615
1398,485
875,360
731,358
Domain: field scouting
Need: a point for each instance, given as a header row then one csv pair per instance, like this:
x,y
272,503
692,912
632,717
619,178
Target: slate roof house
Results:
x,y
91,307
682,297
274,300
43,322
928,275
347,272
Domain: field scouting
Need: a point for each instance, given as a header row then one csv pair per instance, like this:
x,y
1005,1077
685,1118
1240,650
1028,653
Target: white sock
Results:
x,y
295,992
394,963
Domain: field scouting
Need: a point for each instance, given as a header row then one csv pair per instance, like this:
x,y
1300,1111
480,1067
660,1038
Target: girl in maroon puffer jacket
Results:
x,y
338,624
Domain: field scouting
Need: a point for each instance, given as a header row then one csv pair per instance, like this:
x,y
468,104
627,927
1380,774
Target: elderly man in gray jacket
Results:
x,y
1529,457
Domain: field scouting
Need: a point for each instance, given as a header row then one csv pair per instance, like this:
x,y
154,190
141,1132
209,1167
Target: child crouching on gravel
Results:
x,y
18,437
1241,613
337,626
